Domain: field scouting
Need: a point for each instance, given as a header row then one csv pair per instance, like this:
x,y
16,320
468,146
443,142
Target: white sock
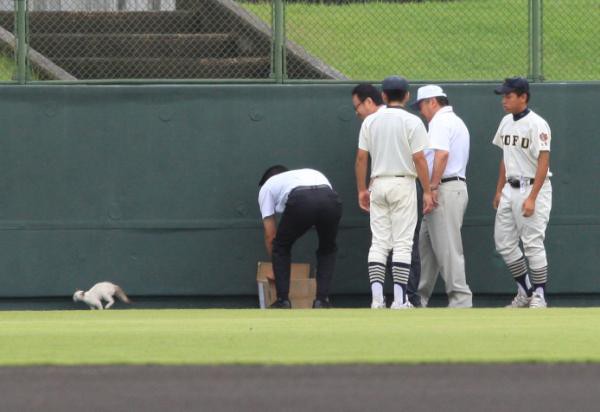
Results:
x,y
377,291
398,293
539,291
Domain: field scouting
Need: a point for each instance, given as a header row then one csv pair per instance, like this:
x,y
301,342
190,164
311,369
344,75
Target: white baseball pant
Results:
x,y
511,225
393,214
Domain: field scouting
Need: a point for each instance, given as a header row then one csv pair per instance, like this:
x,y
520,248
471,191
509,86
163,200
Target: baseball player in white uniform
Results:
x,y
523,194
366,100
440,242
395,140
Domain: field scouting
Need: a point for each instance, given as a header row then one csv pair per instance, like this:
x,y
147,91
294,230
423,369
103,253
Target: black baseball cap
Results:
x,y
513,84
395,83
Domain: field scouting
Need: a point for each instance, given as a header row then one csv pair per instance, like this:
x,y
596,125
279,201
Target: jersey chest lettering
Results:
x,y
515,140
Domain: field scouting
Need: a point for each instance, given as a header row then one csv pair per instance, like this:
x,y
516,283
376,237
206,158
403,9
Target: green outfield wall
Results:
x,y
155,186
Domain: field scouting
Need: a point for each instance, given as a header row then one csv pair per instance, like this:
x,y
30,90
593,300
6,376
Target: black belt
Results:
x,y
299,188
450,179
516,183
375,177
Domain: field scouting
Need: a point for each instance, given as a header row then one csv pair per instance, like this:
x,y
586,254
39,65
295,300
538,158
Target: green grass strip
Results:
x,y
7,68
299,336
454,40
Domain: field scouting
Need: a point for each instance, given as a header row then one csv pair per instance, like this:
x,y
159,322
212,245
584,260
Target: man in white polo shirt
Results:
x,y
395,140
304,198
440,242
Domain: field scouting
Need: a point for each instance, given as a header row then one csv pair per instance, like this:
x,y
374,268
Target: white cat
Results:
x,y
98,292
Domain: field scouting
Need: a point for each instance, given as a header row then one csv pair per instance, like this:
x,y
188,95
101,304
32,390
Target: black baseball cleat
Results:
x,y
321,304
281,304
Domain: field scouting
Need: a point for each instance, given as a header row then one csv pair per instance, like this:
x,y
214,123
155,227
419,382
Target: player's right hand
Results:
x,y
428,204
496,201
434,197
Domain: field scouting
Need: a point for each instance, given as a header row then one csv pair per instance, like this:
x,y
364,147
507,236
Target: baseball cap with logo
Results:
x,y
513,84
427,92
394,83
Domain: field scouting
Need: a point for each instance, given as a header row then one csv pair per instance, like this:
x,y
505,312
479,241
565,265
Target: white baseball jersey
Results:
x,y
522,140
448,132
392,136
274,193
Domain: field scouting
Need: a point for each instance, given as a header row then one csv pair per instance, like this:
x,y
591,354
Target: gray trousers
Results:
x,y
440,246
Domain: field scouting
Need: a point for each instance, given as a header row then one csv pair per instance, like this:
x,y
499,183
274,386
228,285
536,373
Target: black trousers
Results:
x,y
307,207
414,275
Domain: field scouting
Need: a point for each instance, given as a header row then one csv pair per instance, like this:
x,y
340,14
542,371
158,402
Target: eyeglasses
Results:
x,y
357,106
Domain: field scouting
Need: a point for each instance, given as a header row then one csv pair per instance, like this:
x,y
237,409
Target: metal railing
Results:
x,y
288,40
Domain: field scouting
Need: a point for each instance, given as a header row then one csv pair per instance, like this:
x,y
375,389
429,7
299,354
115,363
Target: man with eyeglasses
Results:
x,y
440,242
367,100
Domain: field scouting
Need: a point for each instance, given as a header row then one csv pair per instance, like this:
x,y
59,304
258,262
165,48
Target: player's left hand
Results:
x,y
528,207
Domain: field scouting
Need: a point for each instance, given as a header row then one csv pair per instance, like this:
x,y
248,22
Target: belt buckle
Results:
x,y
523,183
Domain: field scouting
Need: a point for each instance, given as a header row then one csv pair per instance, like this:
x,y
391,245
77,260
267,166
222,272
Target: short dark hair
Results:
x,y
442,100
395,95
270,172
366,90
520,93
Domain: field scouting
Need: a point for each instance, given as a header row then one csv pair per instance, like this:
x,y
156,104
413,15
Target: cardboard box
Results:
x,y
303,289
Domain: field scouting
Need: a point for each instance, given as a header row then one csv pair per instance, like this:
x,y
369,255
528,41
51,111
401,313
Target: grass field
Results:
x,y
458,40
298,337
7,68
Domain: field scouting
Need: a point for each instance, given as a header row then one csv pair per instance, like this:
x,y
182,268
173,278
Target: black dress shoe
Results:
x,y
321,304
281,304
415,300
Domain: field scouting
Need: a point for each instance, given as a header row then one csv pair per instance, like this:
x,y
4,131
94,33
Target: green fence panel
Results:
x,y
155,187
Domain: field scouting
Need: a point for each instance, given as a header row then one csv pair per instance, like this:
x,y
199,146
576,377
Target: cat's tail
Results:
x,y
121,294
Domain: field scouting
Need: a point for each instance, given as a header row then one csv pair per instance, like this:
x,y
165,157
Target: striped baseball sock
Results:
x,y
400,275
519,272
539,277
377,277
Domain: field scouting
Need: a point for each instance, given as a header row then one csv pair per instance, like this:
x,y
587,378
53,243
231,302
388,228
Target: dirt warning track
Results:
x,y
556,387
